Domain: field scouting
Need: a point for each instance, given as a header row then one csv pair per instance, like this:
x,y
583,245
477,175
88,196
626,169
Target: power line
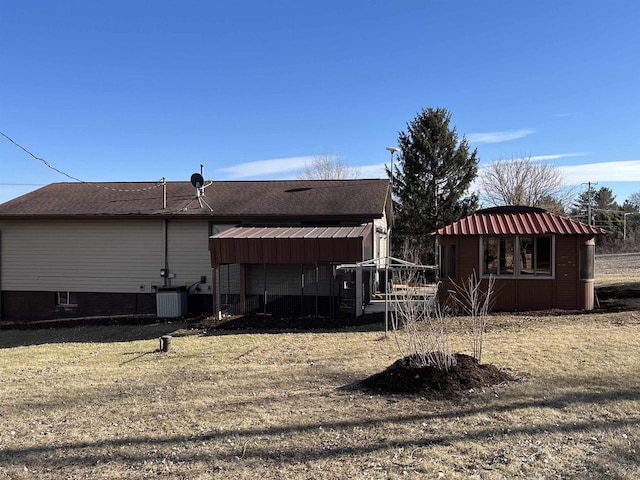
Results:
x,y
48,165
21,184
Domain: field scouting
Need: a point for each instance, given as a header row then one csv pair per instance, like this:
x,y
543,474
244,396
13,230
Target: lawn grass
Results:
x,y
618,269
98,402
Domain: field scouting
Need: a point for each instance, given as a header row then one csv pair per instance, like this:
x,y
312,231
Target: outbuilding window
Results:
x,y
515,255
587,254
448,261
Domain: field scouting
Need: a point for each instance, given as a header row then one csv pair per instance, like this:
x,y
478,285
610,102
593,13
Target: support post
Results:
x,y
217,305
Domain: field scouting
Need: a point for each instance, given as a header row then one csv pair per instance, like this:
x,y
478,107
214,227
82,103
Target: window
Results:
x,y
66,299
498,256
517,256
448,261
535,255
587,254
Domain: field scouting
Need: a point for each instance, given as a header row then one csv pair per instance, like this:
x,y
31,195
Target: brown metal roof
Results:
x,y
294,232
517,221
290,245
359,198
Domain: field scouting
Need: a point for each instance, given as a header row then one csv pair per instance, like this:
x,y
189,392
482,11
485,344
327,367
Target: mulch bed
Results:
x,y
463,378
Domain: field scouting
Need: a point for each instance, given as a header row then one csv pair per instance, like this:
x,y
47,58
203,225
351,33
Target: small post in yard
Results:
x,y
165,343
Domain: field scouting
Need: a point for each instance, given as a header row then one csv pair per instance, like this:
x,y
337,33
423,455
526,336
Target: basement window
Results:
x,y
515,255
66,299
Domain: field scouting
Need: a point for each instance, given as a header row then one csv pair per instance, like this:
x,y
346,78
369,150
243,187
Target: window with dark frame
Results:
x,y
448,261
517,255
498,255
587,260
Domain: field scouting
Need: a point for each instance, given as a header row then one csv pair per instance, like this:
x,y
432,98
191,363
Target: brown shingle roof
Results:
x,y
517,221
294,198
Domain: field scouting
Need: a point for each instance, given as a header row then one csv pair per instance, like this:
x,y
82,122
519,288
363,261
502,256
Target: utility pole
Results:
x,y
589,197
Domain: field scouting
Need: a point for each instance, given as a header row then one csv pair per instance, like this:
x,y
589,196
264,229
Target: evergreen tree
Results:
x,y
605,213
631,224
430,181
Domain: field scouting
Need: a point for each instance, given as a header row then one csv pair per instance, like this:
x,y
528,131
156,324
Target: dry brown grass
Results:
x,y
97,402
617,269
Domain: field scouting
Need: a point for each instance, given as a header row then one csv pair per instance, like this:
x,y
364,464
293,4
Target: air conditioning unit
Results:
x,y
171,302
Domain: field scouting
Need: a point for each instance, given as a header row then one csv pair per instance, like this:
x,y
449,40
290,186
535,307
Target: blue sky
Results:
x,y
140,90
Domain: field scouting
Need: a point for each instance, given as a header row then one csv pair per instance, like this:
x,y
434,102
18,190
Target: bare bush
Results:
x,y
476,303
420,324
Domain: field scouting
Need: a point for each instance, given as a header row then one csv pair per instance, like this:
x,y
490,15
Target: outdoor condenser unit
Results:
x,y
171,302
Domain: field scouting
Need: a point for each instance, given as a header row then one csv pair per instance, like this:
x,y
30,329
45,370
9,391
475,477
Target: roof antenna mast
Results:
x,y
197,180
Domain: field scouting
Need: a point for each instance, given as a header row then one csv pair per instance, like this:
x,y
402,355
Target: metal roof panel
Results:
x,y
517,221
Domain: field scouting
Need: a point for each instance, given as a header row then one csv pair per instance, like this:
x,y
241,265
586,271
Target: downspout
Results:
x,y
165,249
317,288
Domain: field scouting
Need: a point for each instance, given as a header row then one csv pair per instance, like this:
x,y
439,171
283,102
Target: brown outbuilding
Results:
x,y
539,260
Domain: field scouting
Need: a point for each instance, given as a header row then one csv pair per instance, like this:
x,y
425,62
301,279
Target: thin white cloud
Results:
x,y
499,137
265,168
540,158
620,171
372,171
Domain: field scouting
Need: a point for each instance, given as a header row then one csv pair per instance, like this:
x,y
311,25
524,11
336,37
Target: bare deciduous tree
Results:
x,y
522,181
634,199
328,167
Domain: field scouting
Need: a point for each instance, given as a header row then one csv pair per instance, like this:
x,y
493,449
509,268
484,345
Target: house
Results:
x,y
539,260
71,250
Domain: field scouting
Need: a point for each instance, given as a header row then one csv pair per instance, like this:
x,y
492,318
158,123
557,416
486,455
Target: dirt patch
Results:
x,y
463,378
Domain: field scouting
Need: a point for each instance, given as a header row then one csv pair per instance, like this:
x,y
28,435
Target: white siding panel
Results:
x,y
381,233
81,255
188,253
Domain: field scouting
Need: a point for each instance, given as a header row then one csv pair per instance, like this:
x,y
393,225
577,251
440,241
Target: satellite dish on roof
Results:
x,y
197,180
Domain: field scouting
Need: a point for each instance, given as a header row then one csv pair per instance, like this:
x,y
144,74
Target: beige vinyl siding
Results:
x,y
81,255
188,253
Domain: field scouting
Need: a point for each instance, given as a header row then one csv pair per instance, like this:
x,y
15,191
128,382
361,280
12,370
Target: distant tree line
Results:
x,y
622,221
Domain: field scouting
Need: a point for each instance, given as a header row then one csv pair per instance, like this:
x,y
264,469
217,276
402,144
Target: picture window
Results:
x,y
517,256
